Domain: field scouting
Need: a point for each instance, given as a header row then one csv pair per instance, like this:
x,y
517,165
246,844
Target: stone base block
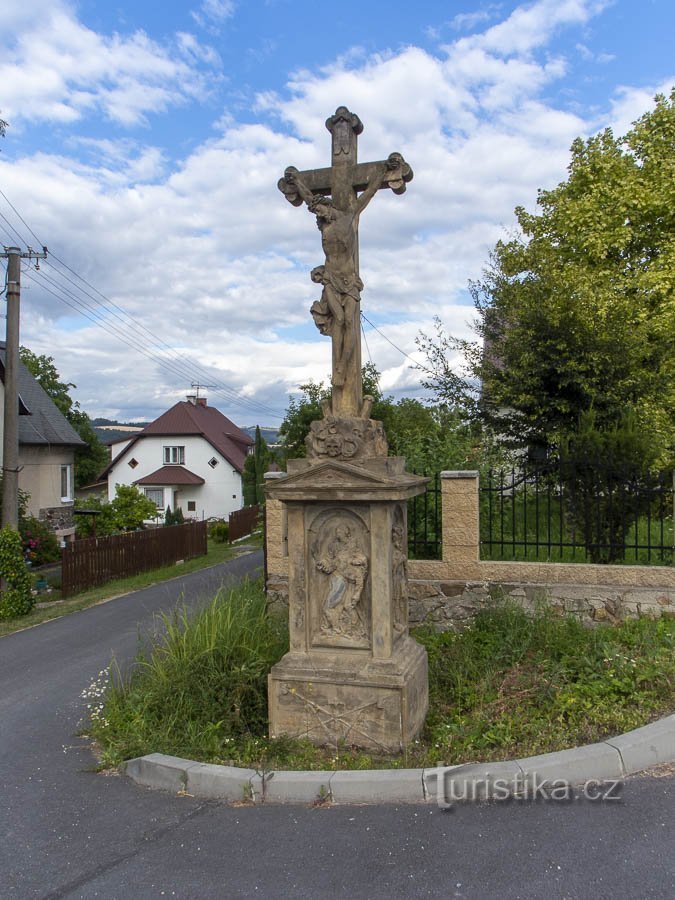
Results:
x,y
351,698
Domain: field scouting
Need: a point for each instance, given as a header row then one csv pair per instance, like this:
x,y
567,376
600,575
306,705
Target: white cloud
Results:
x,y
630,103
207,257
54,68
213,12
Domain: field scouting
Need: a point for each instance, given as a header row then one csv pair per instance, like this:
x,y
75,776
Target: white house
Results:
x,y
190,458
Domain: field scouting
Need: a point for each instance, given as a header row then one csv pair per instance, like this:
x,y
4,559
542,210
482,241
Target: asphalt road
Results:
x,y
68,832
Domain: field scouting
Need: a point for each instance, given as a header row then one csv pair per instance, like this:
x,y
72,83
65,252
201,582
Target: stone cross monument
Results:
x,y
353,673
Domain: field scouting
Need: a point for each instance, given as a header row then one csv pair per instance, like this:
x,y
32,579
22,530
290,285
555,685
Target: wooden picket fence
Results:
x,y
94,561
243,522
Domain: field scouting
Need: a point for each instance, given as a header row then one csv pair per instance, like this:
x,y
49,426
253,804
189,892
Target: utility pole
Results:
x,y
10,439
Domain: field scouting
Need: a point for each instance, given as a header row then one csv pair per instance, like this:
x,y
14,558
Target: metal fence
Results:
x,y
585,513
243,522
94,561
424,522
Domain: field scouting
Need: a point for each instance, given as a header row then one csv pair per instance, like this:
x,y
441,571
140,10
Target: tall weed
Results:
x,y
199,686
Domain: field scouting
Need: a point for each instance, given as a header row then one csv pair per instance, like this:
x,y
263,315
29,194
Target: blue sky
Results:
x,y
145,144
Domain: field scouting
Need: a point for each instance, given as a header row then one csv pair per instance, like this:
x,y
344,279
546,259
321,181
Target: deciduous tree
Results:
x,y
578,311
89,460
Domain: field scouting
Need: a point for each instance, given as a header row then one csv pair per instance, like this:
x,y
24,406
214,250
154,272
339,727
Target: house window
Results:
x,y
66,484
192,505
213,462
133,463
174,456
156,495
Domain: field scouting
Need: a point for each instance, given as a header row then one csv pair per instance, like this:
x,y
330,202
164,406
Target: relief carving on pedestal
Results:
x,y
399,587
340,555
345,438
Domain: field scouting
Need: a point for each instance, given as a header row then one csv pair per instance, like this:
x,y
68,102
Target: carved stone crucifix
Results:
x,y
337,196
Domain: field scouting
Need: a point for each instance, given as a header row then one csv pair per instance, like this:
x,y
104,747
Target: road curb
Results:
x,y
609,760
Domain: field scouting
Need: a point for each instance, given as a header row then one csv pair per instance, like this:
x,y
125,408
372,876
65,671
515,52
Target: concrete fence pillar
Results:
x,y
461,523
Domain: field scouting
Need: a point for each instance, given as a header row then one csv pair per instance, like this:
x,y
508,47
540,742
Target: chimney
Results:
x,y
201,401
192,398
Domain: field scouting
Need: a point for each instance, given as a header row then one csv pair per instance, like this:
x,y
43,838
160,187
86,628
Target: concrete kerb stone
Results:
x,y
223,782
472,781
609,760
575,766
159,771
298,787
648,746
378,786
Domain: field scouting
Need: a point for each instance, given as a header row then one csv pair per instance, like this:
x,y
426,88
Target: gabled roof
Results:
x,y
40,420
171,475
185,418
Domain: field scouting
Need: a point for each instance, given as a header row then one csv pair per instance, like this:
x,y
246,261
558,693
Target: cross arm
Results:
x,y
324,181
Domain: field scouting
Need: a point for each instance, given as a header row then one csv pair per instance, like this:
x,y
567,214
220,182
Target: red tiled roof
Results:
x,y
170,475
186,418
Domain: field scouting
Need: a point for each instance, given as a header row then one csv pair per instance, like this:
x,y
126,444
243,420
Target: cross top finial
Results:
x,y
344,127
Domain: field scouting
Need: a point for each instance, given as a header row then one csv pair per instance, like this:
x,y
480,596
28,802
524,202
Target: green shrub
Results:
x,y
202,683
219,532
39,542
174,517
16,599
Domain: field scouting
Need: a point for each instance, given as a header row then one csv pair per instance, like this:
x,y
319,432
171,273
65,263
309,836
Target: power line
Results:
x,y
172,361
125,337
20,217
418,365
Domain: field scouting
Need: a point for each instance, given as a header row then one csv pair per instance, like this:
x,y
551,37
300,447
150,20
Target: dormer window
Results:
x,y
174,456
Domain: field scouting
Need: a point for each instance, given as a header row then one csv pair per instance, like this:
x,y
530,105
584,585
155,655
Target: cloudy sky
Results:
x,y
144,146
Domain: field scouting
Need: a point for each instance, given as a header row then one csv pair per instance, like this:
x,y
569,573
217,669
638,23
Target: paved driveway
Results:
x,y
68,832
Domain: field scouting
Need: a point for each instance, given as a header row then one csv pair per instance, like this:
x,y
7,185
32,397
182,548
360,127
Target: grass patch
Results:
x,y
200,687
511,685
216,553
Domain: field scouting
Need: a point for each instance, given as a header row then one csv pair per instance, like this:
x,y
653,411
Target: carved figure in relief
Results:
x,y
347,565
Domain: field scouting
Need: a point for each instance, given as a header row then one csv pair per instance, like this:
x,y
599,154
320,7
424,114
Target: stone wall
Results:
x,y
453,604
449,592
60,519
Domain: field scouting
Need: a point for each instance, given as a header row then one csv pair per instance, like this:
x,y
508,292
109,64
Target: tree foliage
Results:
x,y
431,438
89,460
605,470
128,511
578,312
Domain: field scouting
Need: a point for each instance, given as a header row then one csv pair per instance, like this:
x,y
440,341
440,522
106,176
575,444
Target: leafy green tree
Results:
x,y
431,438
128,511
606,474
578,312
89,460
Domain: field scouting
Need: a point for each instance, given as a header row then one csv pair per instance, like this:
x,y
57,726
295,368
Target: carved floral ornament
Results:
x,y
336,438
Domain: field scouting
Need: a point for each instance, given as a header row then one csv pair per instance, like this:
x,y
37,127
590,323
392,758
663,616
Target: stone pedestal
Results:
x,y
353,673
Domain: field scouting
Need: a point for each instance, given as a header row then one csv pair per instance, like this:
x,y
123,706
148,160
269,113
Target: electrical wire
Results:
x,y
52,287
127,332
418,365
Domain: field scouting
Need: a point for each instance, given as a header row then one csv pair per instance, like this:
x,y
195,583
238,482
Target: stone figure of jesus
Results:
x,y
337,313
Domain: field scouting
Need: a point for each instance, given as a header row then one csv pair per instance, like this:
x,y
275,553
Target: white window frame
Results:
x,y
155,490
174,455
67,470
